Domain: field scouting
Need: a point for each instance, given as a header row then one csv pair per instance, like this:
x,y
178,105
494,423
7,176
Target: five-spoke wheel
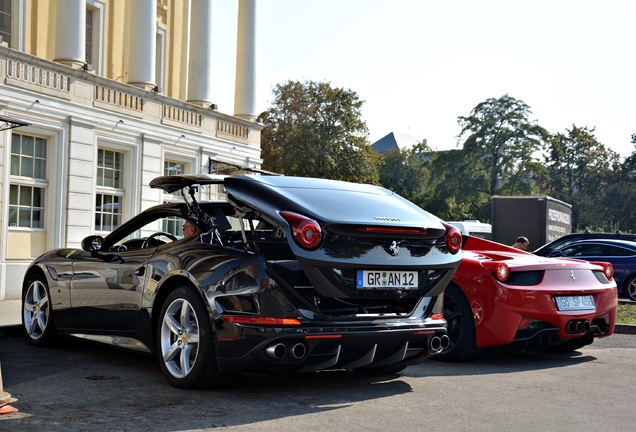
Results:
x,y
37,315
185,343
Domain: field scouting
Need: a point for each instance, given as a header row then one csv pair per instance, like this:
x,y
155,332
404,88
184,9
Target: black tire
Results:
x,y
38,324
185,342
461,327
630,288
389,369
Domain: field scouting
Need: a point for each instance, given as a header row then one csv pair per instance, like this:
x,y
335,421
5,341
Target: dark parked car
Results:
x,y
620,253
289,275
565,240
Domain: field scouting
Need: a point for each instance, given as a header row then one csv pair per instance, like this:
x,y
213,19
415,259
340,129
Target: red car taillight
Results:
x,y
500,270
306,231
453,238
608,269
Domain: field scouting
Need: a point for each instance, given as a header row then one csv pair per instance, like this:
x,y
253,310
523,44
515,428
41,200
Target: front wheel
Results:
x,y
630,288
37,313
461,327
185,342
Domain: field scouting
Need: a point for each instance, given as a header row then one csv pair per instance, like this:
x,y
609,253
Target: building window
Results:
x,y
6,20
12,23
173,168
109,194
25,206
93,51
28,181
160,57
90,30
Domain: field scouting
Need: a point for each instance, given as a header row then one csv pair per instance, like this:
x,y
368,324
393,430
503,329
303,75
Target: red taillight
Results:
x,y
241,319
306,232
453,238
500,270
608,269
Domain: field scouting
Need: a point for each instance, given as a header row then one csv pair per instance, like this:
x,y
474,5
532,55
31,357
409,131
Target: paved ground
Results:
x,y
78,386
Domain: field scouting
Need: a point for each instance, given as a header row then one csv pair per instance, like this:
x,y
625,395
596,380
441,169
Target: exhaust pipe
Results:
x,y
444,342
276,351
436,344
577,326
298,351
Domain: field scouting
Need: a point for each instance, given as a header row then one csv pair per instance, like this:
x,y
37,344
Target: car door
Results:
x,y
106,289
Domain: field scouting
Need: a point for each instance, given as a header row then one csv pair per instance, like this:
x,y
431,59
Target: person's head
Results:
x,y
521,243
189,229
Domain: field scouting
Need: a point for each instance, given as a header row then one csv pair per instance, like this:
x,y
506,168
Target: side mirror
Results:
x,y
555,254
92,243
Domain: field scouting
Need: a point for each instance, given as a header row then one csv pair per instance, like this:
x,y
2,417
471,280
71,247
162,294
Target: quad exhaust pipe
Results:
x,y
291,351
577,326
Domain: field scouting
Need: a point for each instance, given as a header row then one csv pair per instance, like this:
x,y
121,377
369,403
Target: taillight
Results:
x,y
453,238
306,231
500,270
608,269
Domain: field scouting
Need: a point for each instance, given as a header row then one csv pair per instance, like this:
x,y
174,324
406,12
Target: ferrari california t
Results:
x,y
505,296
288,275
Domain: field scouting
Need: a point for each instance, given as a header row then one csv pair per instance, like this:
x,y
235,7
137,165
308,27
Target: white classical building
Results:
x,y
96,99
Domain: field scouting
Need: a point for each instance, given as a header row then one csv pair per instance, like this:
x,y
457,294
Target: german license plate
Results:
x,y
580,302
385,279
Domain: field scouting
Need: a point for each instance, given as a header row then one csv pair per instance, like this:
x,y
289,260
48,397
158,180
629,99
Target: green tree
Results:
x,y
503,143
315,130
581,171
403,171
455,190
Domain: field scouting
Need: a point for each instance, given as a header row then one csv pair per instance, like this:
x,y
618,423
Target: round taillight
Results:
x,y
502,271
608,269
306,231
453,238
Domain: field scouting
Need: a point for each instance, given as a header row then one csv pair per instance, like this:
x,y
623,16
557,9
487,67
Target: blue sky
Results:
x,y
420,64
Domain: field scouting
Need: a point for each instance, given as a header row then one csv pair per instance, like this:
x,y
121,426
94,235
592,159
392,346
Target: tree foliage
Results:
x,y
502,141
403,171
315,130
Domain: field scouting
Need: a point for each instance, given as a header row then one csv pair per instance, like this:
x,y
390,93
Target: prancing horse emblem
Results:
x,y
394,248
572,276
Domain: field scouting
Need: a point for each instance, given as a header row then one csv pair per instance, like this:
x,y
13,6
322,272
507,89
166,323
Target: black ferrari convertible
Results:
x,y
288,275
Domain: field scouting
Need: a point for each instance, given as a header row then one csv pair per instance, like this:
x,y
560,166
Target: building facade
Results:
x,y
97,98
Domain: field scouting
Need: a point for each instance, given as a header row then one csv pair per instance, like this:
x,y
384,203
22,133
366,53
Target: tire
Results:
x,y
461,327
630,288
185,342
389,369
38,324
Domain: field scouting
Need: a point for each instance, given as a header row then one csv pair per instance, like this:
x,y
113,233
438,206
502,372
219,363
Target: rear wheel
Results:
x,y
185,342
37,313
630,288
461,327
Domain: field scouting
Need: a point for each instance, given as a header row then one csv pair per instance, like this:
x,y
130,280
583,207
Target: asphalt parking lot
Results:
x,y
81,386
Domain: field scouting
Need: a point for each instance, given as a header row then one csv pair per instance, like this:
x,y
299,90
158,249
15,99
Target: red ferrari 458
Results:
x,y
505,296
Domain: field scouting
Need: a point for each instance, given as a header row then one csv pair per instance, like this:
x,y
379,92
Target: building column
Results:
x,y
70,33
245,90
143,35
200,53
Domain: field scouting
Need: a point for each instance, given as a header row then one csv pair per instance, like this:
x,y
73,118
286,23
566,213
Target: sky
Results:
x,y
418,65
